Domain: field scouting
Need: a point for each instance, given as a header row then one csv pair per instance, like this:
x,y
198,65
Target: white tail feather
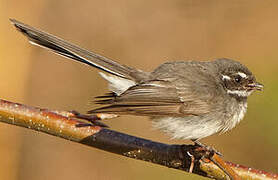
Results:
x,y
117,84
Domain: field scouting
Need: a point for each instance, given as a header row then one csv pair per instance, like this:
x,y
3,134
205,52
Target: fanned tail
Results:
x,y
74,52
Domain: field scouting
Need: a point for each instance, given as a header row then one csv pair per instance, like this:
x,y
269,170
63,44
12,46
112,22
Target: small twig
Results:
x,y
62,124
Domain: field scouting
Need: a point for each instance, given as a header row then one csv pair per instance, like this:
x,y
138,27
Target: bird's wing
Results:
x,y
155,98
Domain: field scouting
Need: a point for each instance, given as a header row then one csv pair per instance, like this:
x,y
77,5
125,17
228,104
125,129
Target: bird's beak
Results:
x,y
256,86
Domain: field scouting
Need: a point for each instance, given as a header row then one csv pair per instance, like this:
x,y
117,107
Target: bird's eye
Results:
x,y
238,79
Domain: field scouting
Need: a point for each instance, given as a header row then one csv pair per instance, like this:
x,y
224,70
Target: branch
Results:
x,y
63,124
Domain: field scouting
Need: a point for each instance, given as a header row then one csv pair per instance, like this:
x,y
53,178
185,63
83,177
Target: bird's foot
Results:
x,y
202,152
202,147
208,154
197,153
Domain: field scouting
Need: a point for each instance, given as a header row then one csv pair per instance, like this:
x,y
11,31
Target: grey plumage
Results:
x,y
186,99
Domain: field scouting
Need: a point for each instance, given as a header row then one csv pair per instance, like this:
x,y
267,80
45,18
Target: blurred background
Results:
x,y
142,34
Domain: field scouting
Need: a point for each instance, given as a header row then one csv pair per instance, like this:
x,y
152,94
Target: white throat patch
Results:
x,y
241,93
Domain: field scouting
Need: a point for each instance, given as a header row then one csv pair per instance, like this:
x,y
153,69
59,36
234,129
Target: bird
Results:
x,y
185,99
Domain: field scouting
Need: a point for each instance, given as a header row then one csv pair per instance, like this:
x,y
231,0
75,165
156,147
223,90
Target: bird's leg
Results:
x,y
199,151
202,146
92,119
207,153
194,154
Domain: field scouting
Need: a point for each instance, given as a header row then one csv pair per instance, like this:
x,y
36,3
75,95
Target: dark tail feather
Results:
x,y
111,109
107,95
72,51
140,109
109,98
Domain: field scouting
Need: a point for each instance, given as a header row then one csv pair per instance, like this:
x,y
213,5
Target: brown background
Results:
x,y
142,34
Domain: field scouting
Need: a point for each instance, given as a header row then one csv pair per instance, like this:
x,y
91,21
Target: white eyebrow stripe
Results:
x,y
243,75
225,77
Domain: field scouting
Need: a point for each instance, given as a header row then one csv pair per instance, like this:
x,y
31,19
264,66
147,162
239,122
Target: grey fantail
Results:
x,y
185,99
